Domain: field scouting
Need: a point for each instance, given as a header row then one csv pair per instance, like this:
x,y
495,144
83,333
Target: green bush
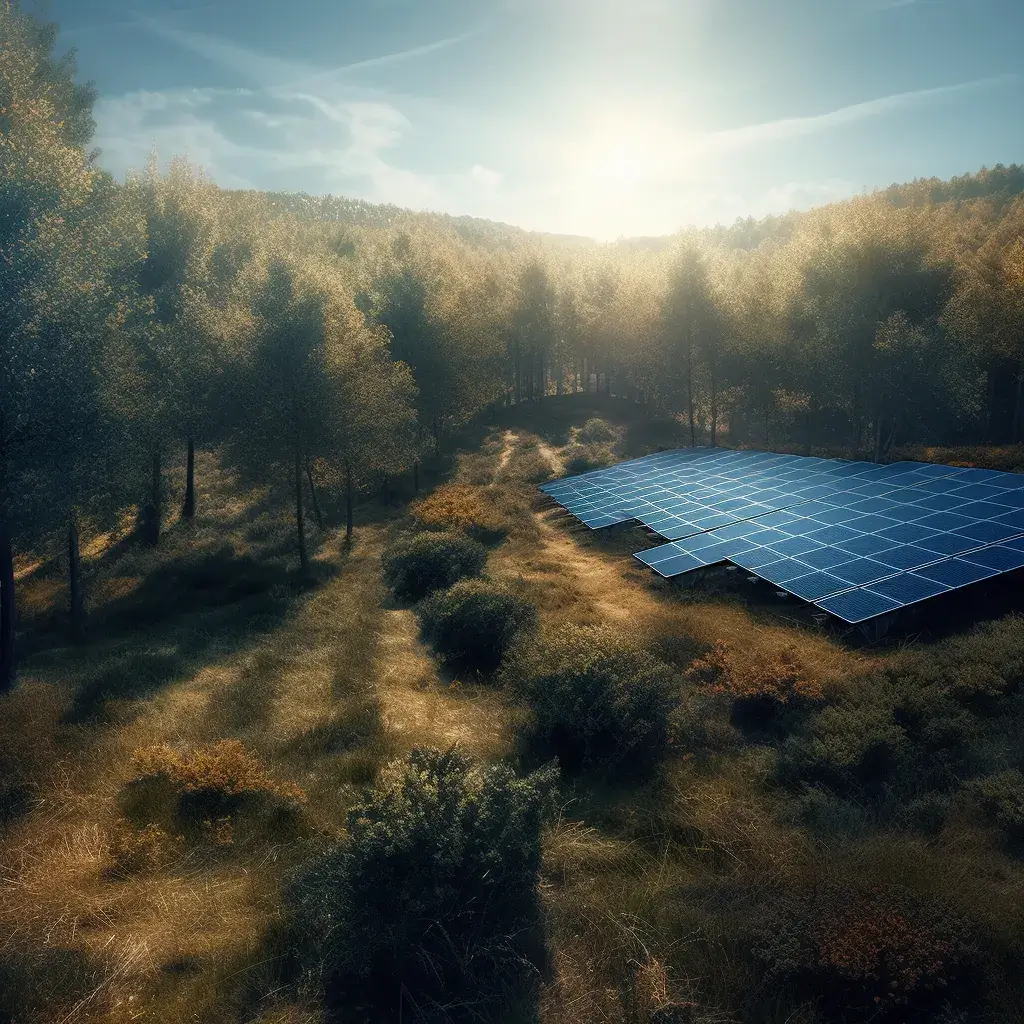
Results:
x,y
583,458
887,733
473,624
430,909
600,703
596,431
1001,799
868,953
985,664
427,562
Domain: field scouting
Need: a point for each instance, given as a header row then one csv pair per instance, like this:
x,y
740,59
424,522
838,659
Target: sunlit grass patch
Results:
x,y
483,514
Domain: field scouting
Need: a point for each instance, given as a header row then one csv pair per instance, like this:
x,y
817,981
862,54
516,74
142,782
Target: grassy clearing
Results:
x,y
115,906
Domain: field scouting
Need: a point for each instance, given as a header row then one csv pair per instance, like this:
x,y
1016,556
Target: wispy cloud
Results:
x,y
272,71
794,127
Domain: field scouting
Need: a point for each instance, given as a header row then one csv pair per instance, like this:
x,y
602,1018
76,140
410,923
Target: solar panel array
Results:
x,y
857,539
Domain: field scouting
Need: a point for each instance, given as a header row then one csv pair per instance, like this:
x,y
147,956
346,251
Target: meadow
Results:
x,y
827,831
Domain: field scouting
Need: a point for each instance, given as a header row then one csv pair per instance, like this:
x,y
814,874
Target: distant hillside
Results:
x,y
1000,185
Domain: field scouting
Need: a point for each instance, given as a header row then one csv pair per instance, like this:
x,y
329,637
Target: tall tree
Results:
x,y
46,185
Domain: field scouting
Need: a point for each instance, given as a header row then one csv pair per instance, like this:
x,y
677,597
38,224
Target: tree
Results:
x,y
46,184
691,325
317,387
178,355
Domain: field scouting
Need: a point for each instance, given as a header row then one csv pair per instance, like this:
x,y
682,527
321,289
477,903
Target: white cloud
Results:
x,y
485,176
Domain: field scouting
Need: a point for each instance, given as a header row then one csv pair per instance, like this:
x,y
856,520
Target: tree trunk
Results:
x,y
385,491
75,582
560,383
807,427
314,500
300,520
714,412
416,477
766,424
155,511
7,653
348,503
878,438
1018,401
188,509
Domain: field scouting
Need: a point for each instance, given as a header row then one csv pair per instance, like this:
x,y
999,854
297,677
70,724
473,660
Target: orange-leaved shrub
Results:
x,y
215,777
758,690
463,507
882,950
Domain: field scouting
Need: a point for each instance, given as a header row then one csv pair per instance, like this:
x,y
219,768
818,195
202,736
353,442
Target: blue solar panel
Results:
x,y
795,546
816,585
908,588
908,556
867,544
834,515
857,606
939,503
833,535
813,523
955,572
1014,519
784,570
800,527
880,505
988,532
861,571
983,510
825,558
1000,558
907,533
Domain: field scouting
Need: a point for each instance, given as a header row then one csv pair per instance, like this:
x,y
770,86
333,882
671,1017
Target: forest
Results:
x,y
268,509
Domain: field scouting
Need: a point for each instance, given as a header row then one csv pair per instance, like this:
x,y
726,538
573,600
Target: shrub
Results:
x,y
415,567
851,747
474,624
462,507
887,732
132,850
596,431
759,691
1001,799
985,664
600,703
881,950
430,909
209,780
584,458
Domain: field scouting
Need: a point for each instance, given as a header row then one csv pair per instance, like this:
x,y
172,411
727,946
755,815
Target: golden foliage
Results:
x,y
133,850
780,678
462,507
224,768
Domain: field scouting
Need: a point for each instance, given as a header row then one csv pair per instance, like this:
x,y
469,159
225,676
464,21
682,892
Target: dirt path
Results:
x,y
589,585
418,708
509,439
555,461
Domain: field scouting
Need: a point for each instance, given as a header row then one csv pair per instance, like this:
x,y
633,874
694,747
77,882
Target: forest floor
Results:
x,y
214,635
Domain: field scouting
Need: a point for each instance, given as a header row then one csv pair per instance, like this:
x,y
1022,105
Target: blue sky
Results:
x,y
596,117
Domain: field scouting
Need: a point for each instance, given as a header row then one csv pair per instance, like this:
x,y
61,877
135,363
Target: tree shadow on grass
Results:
x,y
188,614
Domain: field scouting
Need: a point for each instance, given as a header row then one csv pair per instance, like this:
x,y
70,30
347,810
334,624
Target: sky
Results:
x,y
604,118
